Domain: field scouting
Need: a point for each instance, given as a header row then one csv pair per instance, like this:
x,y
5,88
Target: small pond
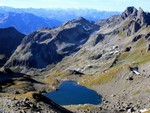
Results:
x,y
70,93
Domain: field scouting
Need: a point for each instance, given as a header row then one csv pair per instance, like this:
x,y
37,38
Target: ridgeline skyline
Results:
x,y
108,5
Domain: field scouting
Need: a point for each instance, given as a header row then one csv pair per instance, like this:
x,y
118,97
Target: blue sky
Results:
x,y
107,5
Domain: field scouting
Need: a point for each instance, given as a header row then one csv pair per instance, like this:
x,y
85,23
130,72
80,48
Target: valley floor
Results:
x,y
120,94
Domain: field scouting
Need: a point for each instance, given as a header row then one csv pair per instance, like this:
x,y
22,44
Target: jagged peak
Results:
x,y
140,12
140,9
77,21
80,19
130,11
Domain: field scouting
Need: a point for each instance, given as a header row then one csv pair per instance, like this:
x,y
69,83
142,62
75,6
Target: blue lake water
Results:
x,y
70,93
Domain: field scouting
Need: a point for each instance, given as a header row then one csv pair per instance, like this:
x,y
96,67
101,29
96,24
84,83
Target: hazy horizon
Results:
x,y
108,5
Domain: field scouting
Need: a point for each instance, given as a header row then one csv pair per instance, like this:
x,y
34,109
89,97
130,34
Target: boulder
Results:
x,y
128,49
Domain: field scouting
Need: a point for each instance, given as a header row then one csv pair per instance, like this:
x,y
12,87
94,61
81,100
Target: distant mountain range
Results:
x,y
63,14
26,22
29,20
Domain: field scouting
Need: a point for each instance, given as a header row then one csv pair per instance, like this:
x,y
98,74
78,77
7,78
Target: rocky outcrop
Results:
x,y
75,72
139,15
30,102
136,38
128,49
130,20
130,11
95,57
149,47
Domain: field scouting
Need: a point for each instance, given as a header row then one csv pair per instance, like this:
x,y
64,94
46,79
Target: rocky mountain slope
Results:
x,y
48,46
28,103
115,61
10,38
26,22
113,56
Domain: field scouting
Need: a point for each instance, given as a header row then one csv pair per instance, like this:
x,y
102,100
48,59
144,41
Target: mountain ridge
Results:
x,y
54,43
112,57
10,38
66,14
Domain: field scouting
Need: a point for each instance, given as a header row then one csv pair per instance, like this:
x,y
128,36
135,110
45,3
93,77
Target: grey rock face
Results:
x,y
129,11
135,19
49,46
136,38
